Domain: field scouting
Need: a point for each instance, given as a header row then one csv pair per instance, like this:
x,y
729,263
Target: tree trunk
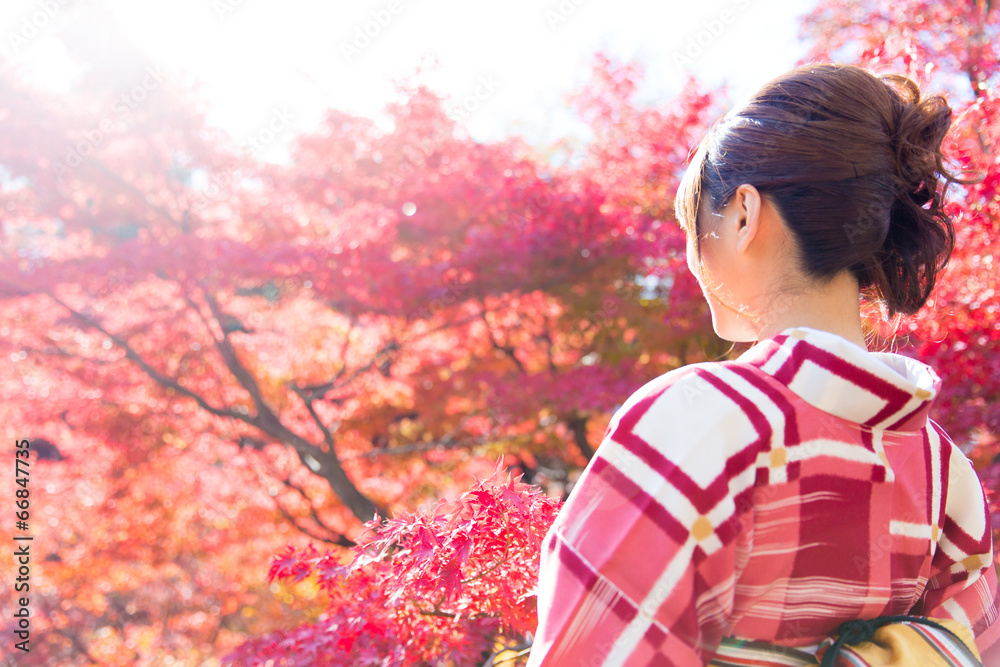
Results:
x,y
578,423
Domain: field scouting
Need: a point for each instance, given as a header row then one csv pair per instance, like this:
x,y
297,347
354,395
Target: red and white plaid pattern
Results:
x,y
768,498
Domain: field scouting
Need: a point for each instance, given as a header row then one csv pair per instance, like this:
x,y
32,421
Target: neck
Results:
x,y
834,307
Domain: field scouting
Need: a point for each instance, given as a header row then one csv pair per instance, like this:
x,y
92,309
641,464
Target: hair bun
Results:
x,y
920,236
916,133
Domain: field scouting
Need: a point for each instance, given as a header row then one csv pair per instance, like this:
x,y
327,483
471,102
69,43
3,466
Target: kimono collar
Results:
x,y
879,390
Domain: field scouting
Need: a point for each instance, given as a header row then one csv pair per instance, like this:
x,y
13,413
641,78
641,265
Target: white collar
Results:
x,y
880,390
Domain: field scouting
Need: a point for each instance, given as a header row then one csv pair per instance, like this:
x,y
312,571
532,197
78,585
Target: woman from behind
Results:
x,y
761,502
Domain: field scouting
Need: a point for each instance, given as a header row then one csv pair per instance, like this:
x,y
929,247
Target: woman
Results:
x,y
802,485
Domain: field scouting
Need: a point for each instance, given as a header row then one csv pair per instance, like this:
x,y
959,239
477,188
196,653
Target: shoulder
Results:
x,y
965,494
683,447
695,390
698,419
685,384
957,469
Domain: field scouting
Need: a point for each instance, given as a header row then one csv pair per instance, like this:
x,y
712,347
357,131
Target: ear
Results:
x,y
748,208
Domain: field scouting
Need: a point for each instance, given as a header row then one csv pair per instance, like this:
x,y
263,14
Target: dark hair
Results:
x,y
852,162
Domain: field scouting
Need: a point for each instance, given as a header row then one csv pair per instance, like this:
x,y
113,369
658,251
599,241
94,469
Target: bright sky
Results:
x,y
521,56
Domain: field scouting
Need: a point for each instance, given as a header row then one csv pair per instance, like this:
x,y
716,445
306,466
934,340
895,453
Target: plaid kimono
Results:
x,y
768,498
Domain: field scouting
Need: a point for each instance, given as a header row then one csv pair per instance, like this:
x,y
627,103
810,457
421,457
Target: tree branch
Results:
x,y
382,355
307,400
521,649
547,337
320,390
327,464
56,350
506,349
448,442
239,371
108,173
578,424
155,375
340,539
78,644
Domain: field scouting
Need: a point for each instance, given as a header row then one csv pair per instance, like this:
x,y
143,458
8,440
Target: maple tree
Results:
x,y
447,582
213,347
223,359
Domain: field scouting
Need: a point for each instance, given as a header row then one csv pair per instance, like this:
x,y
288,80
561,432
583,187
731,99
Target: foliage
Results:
x,y
435,587
231,356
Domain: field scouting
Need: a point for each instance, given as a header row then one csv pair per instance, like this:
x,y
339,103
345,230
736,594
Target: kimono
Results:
x,y
767,498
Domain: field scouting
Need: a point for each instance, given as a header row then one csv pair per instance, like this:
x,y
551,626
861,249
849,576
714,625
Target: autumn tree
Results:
x,y
225,356
635,159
